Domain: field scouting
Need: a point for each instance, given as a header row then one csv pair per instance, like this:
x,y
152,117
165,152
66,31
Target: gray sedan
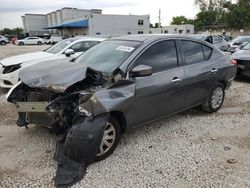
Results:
x,y
117,85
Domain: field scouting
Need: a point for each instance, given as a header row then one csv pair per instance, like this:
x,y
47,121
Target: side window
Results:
x,y
160,56
83,46
216,39
209,39
193,52
76,47
207,52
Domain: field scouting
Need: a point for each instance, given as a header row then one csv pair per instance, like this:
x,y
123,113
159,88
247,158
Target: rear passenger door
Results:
x,y
161,93
199,71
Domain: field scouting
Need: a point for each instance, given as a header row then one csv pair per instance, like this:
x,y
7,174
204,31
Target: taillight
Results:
x,y
233,61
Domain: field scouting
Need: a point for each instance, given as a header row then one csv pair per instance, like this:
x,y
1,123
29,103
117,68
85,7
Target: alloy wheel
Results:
x,y
217,97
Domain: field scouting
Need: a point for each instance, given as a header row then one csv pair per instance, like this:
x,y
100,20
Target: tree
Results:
x,y
179,20
6,31
212,13
15,31
238,15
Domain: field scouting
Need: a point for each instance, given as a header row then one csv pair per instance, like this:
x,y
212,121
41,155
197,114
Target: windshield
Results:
x,y
247,47
58,47
108,55
241,39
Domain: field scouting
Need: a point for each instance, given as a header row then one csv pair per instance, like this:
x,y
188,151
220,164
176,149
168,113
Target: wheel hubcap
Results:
x,y
217,97
108,139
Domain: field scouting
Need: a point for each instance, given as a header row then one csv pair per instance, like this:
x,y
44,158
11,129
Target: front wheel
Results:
x,y
215,100
110,140
39,43
3,43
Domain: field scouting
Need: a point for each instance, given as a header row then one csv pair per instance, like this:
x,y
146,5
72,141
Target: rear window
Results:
x,y
195,52
207,52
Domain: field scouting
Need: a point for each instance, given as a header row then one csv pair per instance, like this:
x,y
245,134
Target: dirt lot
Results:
x,y
191,149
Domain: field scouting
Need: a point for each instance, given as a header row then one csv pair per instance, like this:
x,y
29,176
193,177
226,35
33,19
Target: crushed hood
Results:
x,y
57,74
242,55
25,58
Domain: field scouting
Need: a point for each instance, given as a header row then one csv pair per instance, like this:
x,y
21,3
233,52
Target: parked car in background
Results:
x,y
226,38
215,40
68,48
236,43
242,56
29,41
54,39
111,87
3,40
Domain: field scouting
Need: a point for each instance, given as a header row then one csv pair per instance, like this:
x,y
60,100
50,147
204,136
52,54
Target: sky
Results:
x,y
12,10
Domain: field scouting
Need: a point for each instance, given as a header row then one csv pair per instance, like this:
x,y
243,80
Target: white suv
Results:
x,y
3,40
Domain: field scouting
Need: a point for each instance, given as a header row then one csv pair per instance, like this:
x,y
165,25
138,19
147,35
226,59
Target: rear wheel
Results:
x,y
215,100
39,43
110,140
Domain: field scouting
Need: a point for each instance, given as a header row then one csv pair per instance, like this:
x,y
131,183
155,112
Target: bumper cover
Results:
x,y
78,149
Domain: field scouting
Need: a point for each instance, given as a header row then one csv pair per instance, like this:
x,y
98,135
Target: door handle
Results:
x,y
176,80
214,70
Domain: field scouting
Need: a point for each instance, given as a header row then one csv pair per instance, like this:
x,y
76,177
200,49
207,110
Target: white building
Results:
x,y
34,24
72,21
174,29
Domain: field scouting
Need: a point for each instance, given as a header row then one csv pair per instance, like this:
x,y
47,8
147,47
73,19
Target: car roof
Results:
x,y
148,37
77,39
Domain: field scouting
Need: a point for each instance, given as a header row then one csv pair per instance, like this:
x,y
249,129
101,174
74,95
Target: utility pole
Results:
x,y
159,23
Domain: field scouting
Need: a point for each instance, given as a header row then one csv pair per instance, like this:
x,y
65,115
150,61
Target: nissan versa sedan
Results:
x,y
117,85
66,49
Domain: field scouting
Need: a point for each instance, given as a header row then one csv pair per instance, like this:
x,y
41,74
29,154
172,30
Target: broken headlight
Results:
x,y
11,68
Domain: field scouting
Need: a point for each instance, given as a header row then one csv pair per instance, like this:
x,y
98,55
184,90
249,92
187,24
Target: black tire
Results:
x,y
39,43
211,106
3,43
20,43
115,123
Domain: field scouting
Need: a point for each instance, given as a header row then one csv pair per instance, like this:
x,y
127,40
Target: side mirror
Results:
x,y
69,52
141,71
236,43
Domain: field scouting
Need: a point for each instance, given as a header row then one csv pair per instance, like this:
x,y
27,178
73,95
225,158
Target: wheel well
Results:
x,y
224,83
120,117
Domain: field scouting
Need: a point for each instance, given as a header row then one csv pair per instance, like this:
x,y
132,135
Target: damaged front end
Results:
x,y
69,109
51,105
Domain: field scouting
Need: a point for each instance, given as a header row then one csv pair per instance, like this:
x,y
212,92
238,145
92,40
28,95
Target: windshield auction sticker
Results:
x,y
125,48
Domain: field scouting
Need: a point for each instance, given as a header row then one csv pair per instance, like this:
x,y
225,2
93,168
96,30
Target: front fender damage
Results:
x,y
78,149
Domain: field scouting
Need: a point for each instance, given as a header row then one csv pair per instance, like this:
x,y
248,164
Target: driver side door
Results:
x,y
161,93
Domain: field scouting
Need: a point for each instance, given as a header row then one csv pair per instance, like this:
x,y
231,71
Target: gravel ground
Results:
x,y
190,149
